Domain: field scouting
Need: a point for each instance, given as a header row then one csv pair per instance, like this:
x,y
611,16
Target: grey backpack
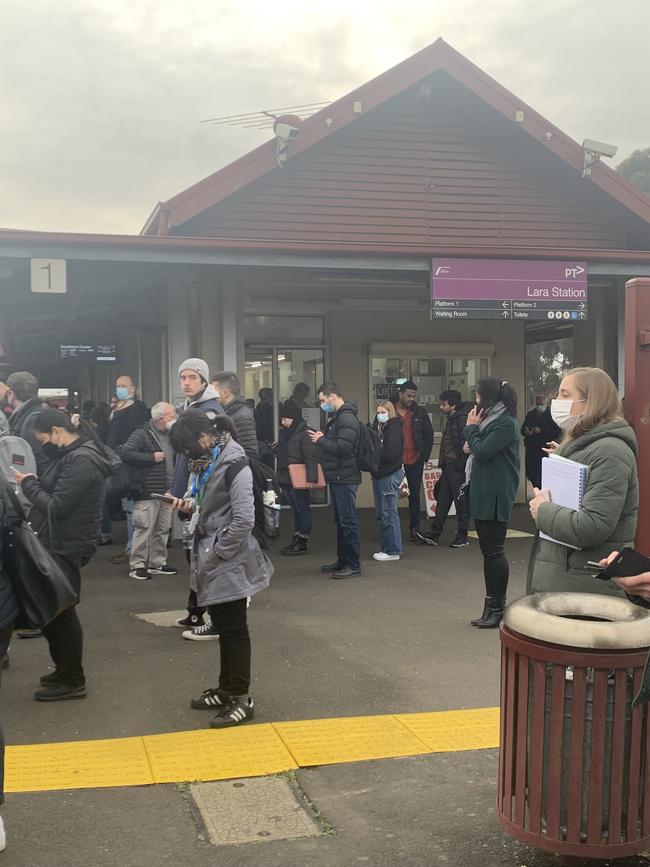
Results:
x,y
16,453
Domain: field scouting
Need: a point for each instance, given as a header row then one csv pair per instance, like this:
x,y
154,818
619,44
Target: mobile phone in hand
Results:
x,y
163,497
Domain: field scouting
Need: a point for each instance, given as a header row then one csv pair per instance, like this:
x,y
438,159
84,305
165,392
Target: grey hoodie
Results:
x,y
208,401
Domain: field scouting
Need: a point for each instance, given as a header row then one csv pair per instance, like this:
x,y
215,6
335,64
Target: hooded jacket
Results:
x,y
8,602
337,448
124,421
391,440
495,474
68,497
422,430
243,418
605,523
209,402
296,447
227,562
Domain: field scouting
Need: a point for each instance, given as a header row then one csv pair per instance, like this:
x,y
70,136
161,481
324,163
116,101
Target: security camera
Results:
x,y
599,147
286,132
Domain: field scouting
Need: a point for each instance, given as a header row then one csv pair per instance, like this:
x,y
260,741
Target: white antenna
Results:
x,y
265,118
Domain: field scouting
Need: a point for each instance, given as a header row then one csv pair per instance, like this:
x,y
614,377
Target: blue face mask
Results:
x,y
122,392
327,407
382,417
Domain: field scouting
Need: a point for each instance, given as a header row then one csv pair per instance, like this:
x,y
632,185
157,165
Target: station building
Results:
x,y
310,257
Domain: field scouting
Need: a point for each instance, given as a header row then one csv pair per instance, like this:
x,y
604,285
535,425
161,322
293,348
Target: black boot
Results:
x,y
486,608
496,607
298,546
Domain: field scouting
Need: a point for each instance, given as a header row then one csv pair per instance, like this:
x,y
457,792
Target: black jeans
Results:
x,y
64,634
491,538
451,482
5,637
301,507
230,618
344,510
414,478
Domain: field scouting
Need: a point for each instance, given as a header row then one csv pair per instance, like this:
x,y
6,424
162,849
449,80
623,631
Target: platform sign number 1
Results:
x,y
49,276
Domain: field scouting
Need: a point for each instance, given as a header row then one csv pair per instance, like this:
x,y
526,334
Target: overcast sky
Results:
x,y
101,100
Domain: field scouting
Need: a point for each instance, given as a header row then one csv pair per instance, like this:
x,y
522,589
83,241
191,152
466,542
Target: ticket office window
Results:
x,y
432,375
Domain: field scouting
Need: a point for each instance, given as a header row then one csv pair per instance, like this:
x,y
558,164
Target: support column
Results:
x,y
232,326
637,396
178,334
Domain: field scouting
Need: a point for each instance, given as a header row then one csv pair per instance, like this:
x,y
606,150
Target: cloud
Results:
x,y
101,114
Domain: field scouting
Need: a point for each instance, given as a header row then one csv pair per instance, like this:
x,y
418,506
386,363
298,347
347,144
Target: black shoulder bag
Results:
x,y
42,588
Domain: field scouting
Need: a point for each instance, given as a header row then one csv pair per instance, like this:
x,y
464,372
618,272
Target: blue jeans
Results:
x,y
344,510
106,529
301,508
386,498
127,506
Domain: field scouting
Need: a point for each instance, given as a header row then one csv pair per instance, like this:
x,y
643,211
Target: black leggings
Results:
x,y
491,538
230,618
64,634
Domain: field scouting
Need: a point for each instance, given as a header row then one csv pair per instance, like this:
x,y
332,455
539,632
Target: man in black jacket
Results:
x,y
337,448
229,387
418,442
452,460
149,453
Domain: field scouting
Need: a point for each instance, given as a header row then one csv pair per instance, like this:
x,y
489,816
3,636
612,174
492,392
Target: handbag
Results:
x,y
41,587
298,476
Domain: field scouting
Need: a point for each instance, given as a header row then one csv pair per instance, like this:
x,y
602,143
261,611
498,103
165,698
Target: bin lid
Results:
x,y
580,620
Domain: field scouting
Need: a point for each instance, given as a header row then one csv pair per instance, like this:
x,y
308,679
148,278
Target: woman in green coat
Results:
x,y
492,474
589,410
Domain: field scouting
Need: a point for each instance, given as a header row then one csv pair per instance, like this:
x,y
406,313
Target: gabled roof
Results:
x,y
438,56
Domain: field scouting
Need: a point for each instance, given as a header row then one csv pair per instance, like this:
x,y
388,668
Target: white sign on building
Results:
x,y
49,276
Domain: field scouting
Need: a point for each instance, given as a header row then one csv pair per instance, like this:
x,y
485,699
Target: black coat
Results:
x,y
391,439
337,448
72,489
243,418
137,452
8,603
422,431
455,429
125,421
296,447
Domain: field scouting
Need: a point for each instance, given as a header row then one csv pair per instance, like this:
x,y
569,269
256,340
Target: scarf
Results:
x,y
493,413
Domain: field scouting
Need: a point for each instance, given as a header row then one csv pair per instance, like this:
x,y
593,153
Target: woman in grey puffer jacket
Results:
x,y
227,565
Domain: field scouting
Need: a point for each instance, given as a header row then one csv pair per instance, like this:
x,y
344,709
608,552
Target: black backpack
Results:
x,y
267,517
368,449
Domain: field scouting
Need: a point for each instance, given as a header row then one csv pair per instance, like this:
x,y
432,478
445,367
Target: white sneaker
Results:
x,y
384,558
3,836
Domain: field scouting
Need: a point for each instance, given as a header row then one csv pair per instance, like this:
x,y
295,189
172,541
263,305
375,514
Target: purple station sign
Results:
x,y
508,289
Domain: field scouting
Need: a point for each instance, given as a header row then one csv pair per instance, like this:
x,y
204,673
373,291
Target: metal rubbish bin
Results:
x,y
574,761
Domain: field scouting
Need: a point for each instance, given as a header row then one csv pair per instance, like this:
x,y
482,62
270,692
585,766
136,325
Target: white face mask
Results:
x,y
382,417
561,413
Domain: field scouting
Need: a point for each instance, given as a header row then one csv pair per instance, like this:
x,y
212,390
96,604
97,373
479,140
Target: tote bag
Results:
x,y
298,475
42,588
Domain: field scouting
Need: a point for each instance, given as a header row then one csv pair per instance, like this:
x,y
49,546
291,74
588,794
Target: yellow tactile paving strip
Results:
x,y
250,751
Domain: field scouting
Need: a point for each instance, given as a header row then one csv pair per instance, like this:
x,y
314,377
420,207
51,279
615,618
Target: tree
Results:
x,y
546,364
636,168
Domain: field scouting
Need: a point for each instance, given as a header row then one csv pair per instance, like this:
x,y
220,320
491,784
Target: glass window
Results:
x,y
283,330
431,374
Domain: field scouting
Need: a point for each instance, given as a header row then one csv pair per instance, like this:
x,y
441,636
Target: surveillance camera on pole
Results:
x,y
592,151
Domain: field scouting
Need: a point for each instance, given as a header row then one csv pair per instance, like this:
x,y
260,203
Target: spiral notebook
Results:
x,y
567,482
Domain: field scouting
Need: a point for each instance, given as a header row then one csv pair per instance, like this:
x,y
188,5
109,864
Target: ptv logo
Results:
x,y
443,269
572,273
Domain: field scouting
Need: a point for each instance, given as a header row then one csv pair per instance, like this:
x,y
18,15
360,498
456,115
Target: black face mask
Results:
x,y
50,451
196,453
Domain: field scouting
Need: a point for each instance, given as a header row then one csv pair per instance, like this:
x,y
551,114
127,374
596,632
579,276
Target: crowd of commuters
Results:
x,y
202,460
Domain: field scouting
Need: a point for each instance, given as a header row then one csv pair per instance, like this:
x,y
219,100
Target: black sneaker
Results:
x,y
211,699
206,632
331,567
140,574
163,570
460,542
413,534
60,692
190,622
52,677
346,572
428,539
238,711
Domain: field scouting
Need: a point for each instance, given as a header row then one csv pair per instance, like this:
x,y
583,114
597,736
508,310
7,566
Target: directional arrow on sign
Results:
x,y
582,315
581,305
505,314
506,304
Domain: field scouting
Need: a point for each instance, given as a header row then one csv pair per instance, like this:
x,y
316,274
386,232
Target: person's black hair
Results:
x,y
302,387
192,423
88,406
265,393
493,390
452,397
46,419
328,388
228,378
409,385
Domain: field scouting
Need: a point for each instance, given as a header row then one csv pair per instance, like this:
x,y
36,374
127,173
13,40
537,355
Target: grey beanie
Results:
x,y
197,364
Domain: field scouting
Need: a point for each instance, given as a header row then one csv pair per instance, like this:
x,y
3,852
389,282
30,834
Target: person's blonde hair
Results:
x,y
602,402
389,406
